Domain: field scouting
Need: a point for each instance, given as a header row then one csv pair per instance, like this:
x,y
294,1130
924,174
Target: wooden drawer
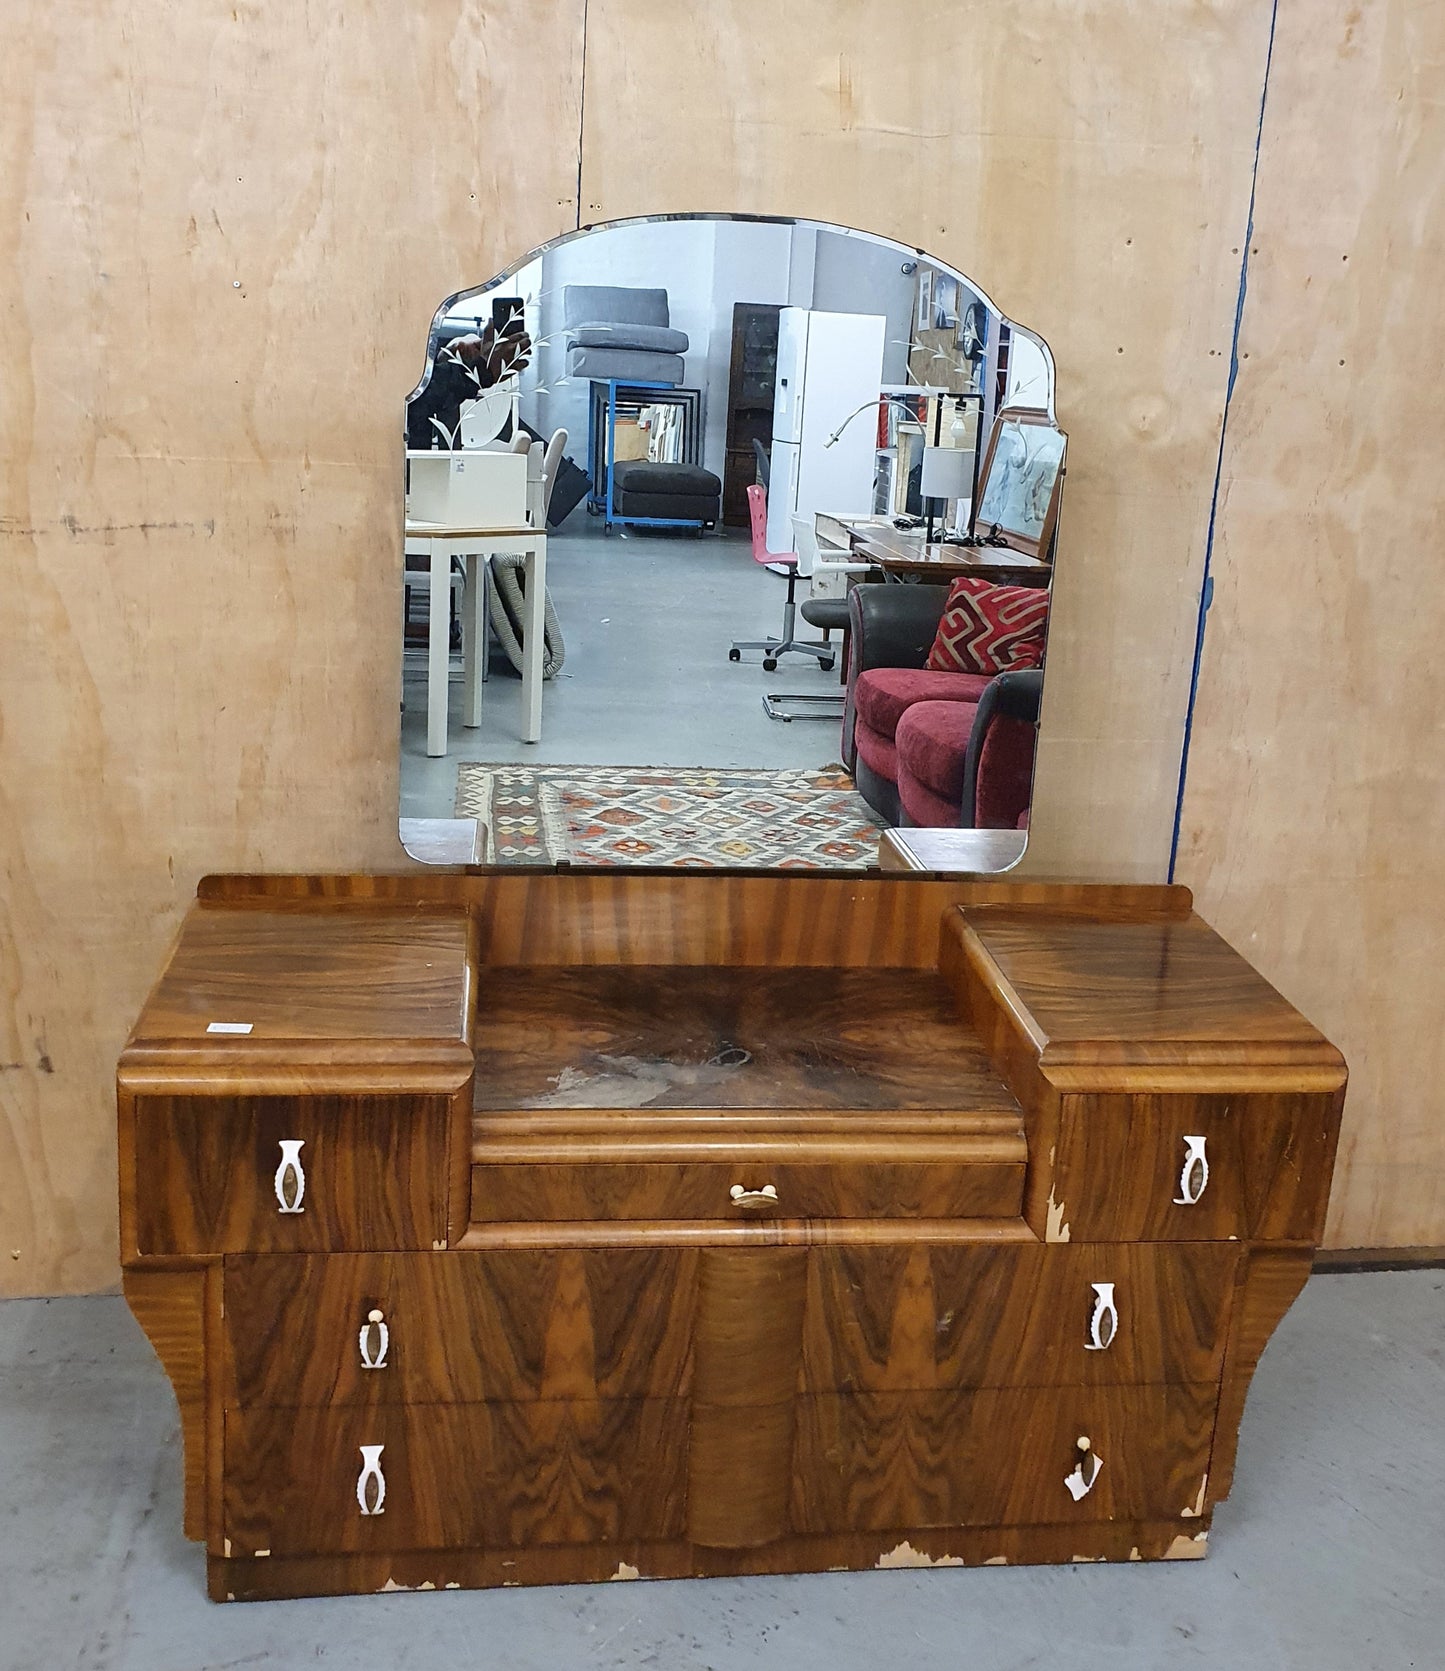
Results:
x,y
592,1325
909,1318
497,1475
704,1189
1133,1168
208,1171
871,1462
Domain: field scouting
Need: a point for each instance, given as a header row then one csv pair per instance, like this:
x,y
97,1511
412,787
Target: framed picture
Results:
x,y
924,321
1019,484
945,302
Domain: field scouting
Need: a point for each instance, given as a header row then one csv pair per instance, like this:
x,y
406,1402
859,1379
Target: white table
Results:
x,y
475,546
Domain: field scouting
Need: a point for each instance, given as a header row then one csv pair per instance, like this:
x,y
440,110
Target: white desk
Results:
x,y
475,546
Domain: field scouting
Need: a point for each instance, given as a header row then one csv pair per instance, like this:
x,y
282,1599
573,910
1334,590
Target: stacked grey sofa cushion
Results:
x,y
623,332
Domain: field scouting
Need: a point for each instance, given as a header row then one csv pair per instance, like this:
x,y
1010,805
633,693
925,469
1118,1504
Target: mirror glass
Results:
x,y
728,544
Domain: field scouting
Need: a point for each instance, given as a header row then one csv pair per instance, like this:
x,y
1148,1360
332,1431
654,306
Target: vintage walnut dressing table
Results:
x,y
529,1228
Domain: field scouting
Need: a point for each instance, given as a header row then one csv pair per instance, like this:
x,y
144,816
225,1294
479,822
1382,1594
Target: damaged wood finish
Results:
x,y
888,1249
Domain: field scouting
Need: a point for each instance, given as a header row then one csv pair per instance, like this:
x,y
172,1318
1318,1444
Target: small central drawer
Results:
x,y
731,1092
750,1185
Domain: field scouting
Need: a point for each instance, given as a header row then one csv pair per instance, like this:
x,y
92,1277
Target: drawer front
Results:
x,y
591,1324
910,1318
1148,1168
264,1174
419,1476
741,1189
872,1462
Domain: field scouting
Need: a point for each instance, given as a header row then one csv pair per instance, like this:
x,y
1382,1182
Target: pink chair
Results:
x,y
772,648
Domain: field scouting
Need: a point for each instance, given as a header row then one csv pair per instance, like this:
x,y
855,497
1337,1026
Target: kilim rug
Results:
x,y
634,815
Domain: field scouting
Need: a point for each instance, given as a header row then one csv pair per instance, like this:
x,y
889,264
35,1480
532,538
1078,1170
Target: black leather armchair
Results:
x,y
889,626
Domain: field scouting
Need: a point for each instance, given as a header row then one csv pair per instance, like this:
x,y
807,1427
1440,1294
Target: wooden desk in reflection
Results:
x,y
901,552
951,852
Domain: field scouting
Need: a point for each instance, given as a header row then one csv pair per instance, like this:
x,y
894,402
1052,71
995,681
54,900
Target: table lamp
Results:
x,y
947,474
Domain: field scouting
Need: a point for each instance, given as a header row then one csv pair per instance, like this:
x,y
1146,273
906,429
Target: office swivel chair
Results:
x,y
787,561
830,614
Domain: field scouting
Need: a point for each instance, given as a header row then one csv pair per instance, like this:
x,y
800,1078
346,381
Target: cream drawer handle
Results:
x,y
376,1323
290,1181
1086,1474
1104,1322
754,1200
371,1482
1194,1179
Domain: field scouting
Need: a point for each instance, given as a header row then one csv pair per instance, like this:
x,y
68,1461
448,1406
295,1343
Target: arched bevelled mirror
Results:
x,y
728,543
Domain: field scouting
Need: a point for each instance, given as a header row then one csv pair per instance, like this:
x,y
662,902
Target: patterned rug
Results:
x,y
633,815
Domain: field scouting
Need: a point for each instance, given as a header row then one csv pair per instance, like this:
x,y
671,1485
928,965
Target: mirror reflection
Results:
x,y
728,543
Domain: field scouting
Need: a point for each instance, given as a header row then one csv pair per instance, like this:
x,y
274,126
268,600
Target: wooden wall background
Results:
x,y
1315,805
226,226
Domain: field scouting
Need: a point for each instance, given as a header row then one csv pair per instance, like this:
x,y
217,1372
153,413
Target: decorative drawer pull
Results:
x,y
1194,1179
371,1482
1104,1322
1086,1473
290,1179
754,1200
375,1325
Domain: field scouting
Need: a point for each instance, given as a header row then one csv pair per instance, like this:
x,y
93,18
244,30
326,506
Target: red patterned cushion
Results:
x,y
990,629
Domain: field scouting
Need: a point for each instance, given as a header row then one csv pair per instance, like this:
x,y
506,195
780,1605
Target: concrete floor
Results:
x,y
647,620
1330,1556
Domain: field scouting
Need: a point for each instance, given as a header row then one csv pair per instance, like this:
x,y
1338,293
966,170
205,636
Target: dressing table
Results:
x,y
533,1228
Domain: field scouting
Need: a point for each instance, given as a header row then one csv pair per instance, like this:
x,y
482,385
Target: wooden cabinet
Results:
x,y
571,1228
752,380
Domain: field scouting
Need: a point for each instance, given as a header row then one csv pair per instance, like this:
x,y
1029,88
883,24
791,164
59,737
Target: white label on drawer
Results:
x,y
229,1027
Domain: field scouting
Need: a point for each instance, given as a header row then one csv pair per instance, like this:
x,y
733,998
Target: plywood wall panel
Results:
x,y
223,230
1088,163
1315,801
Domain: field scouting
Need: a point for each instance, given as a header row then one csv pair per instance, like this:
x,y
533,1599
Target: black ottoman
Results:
x,y
679,492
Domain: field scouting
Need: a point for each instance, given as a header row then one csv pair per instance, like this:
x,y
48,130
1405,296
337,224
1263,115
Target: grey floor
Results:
x,y
1330,1555
647,620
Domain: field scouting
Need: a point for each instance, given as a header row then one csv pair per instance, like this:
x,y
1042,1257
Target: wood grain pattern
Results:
x,y
171,1307
376,1173
1270,1280
1116,1169
324,976
915,1318
977,1187
745,1037
896,1549
1139,992
491,1475
518,1327
749,1338
202,498
868,1461
1314,801
881,1357
717,919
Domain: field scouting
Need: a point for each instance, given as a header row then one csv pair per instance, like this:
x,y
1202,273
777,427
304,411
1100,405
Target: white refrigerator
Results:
x,y
829,365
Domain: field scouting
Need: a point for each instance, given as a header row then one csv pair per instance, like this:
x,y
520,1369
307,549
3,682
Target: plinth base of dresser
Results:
x,y
266,1579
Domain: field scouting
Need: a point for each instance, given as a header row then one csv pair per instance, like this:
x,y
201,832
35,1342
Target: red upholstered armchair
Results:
x,y
942,750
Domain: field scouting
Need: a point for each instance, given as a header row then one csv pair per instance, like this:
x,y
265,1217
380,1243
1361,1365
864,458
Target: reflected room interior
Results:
x,y
728,543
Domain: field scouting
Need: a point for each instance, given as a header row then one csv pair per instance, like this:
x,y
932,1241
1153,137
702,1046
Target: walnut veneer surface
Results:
x,y
542,1228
